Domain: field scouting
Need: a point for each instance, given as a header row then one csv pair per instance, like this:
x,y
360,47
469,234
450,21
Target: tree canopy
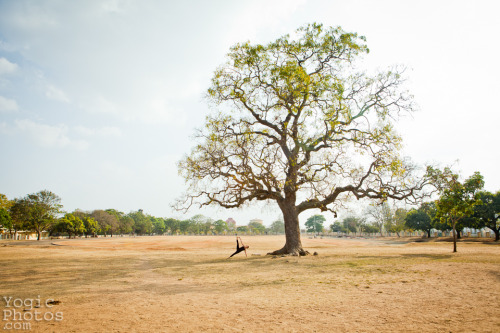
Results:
x,y
37,211
487,213
458,199
315,223
296,123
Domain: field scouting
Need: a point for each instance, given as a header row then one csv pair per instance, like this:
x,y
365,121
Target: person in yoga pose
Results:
x,y
239,248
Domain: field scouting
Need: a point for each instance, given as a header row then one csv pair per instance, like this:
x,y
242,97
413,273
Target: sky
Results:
x,y
99,100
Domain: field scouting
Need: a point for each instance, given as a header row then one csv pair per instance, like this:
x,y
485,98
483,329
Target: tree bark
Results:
x,y
293,244
454,239
429,233
497,234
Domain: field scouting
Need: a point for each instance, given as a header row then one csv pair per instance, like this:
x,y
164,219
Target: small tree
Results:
x,y
172,225
256,227
70,224
5,219
37,211
418,219
107,221
338,227
487,213
142,223
398,221
370,228
352,223
158,225
457,201
278,226
242,228
314,223
381,216
5,203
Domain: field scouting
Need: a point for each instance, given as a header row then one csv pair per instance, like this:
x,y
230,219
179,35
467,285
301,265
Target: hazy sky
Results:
x,y
99,99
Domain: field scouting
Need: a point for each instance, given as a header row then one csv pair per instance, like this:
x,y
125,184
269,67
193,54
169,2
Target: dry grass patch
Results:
x,y
147,284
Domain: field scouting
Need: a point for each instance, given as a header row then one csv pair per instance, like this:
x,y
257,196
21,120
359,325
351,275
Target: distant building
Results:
x,y
21,234
231,223
259,221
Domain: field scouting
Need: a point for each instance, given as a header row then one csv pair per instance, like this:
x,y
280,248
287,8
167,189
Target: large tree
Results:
x,y
295,123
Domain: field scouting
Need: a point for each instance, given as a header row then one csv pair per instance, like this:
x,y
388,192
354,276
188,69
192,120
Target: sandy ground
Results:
x,y
187,284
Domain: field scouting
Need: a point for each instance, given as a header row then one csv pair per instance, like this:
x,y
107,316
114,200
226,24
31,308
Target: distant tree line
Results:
x,y
42,212
461,205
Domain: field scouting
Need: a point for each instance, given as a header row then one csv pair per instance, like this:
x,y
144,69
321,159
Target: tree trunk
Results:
x,y
429,233
454,239
293,244
39,234
497,234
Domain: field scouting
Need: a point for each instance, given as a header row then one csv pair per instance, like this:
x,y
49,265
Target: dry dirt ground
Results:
x,y
187,284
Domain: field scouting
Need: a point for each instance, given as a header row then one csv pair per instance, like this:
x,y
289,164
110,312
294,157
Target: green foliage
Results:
x,y
338,227
70,224
37,211
418,220
278,227
352,223
296,120
159,227
315,223
458,199
242,228
91,226
108,221
398,221
487,213
256,228
142,223
172,225
220,226
4,202
5,218
370,228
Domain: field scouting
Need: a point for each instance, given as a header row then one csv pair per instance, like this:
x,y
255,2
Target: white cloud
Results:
x,y
7,104
7,67
49,136
100,104
56,94
106,131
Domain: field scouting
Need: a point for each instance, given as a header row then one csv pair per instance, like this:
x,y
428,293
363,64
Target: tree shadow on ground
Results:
x,y
427,256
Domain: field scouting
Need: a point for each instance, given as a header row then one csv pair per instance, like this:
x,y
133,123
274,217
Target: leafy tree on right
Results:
x,y
314,224
487,213
458,200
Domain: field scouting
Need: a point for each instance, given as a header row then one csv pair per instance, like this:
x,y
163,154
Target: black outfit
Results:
x,y
238,248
